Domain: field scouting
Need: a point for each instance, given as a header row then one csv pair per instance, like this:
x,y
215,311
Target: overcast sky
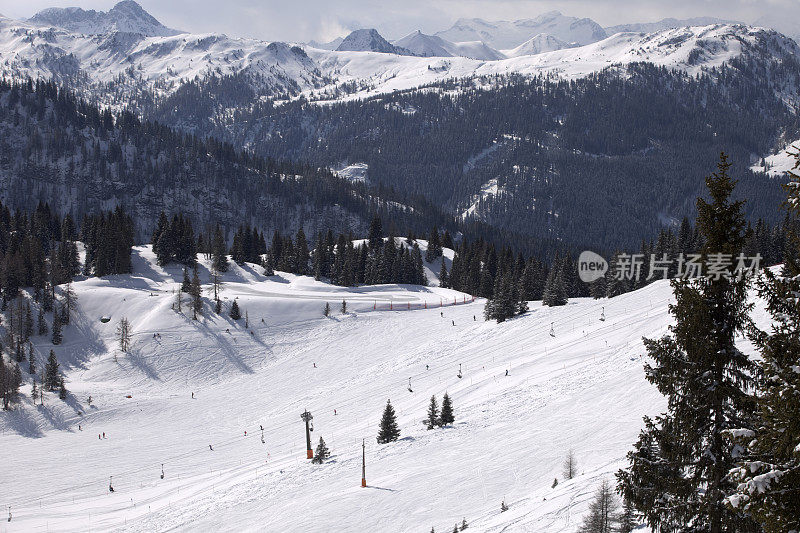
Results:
x,y
302,20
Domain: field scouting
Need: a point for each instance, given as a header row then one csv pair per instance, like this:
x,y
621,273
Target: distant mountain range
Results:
x,y
475,122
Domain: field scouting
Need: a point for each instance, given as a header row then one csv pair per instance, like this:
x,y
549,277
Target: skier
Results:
x,y
210,448
334,412
427,367
441,314
245,432
98,436
474,319
192,395
454,322
315,365
104,434
110,488
79,427
506,371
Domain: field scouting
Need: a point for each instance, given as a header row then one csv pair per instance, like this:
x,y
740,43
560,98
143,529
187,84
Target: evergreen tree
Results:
x,y
443,275
375,235
235,313
321,453
51,372
57,337
62,389
327,311
219,257
433,414
555,292
196,291
388,432
41,323
186,285
768,474
344,307
678,475
447,417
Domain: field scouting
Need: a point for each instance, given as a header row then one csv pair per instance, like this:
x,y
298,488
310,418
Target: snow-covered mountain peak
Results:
x,y
369,40
510,34
126,16
538,44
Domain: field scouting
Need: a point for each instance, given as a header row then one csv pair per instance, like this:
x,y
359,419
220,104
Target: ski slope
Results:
x,y
583,389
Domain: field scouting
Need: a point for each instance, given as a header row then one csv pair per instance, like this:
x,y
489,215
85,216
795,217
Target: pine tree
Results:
x,y
327,311
433,414
57,337
34,392
464,524
51,372
678,474
62,389
447,417
41,323
344,307
31,360
602,516
455,528
196,290
388,432
768,474
375,235
555,292
235,313
321,453
219,257
186,286
443,281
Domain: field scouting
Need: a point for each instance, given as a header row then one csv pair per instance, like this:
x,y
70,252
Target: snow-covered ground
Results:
x,y
583,389
779,163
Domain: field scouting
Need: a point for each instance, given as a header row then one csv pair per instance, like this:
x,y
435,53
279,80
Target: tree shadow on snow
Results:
x,y
23,423
138,361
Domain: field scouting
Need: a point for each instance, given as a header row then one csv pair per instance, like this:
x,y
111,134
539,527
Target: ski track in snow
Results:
x,y
583,389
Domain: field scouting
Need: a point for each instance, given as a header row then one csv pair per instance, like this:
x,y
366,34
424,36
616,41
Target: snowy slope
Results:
x,y
510,34
779,163
665,24
582,389
433,46
536,45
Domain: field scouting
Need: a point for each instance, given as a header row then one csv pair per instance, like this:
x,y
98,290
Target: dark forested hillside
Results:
x,y
58,149
603,161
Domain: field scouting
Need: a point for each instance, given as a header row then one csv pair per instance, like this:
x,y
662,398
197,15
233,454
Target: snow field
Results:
x,y
583,389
